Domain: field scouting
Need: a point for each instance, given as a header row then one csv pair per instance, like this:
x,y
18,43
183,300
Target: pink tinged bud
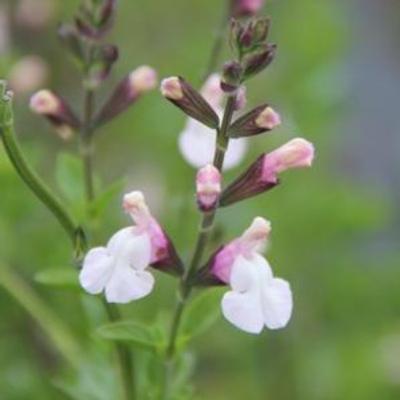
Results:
x,y
219,267
262,175
208,185
127,92
164,256
55,109
259,120
171,88
143,79
190,101
28,74
268,119
243,8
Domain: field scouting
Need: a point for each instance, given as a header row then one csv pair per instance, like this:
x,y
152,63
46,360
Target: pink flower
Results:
x,y
246,7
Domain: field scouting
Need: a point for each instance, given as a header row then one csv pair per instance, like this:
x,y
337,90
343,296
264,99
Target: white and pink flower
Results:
x,y
256,299
121,269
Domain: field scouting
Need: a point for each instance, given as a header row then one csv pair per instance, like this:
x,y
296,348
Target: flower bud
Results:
x,y
139,81
208,185
35,14
231,77
191,102
103,59
254,34
261,119
55,109
259,59
262,175
246,8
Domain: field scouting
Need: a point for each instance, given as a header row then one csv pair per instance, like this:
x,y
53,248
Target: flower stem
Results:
x,y
204,232
122,352
32,180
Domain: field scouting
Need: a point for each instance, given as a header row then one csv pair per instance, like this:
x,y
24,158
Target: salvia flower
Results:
x,y
120,269
243,8
208,187
260,119
138,82
197,142
256,298
262,175
56,110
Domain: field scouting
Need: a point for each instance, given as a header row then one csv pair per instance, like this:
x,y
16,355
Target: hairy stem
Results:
x,y
204,232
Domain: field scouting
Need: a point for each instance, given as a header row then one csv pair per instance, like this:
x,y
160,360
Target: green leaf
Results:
x,y
128,331
201,314
63,277
69,177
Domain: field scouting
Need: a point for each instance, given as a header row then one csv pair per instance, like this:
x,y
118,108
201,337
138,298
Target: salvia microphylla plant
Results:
x,y
215,138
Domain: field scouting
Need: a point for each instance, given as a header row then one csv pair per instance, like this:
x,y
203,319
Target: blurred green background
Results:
x,y
335,227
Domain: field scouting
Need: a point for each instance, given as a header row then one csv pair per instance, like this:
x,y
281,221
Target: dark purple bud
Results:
x,y
231,77
127,92
107,11
184,96
104,58
255,33
261,119
259,59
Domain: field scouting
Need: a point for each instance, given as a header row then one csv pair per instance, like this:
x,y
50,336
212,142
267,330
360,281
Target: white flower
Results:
x,y
121,268
257,298
197,141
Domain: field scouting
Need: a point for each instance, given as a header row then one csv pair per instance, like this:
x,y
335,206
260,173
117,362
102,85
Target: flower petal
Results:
x,y
277,303
197,145
127,285
244,311
96,271
242,306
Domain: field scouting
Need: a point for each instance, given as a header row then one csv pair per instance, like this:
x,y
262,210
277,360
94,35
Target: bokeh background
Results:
x,y
335,227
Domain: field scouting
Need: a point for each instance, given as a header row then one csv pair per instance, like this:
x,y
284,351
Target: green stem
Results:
x,y
32,180
55,329
204,232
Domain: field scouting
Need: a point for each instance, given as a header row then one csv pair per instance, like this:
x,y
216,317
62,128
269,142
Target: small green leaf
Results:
x,y
201,314
128,331
64,277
